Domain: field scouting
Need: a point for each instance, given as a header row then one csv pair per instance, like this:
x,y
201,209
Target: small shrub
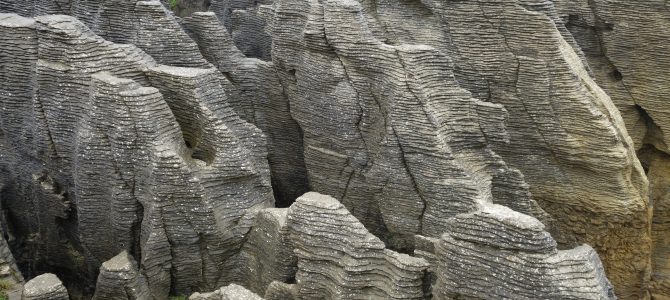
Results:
x,y
173,3
171,297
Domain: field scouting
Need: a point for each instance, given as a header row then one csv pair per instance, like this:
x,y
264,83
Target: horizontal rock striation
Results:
x,y
626,46
387,128
339,259
171,175
260,99
119,278
267,254
499,253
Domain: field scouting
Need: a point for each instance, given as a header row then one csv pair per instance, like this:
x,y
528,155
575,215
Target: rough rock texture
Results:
x,y
171,175
230,292
267,254
261,100
45,287
351,62
145,24
501,254
626,45
10,275
246,21
127,131
339,259
281,291
386,128
119,279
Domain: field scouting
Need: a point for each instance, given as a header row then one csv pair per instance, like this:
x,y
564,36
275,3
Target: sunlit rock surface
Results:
x,y
489,139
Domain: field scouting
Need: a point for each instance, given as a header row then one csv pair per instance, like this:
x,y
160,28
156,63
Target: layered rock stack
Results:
x,y
455,149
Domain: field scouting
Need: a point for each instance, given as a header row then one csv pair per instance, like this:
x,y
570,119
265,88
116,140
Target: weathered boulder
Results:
x,y
45,287
229,292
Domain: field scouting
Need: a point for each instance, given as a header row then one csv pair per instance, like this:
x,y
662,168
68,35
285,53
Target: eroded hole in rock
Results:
x,y
616,75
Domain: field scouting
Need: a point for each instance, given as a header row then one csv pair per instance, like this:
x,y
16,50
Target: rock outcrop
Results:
x,y
499,253
267,254
473,134
45,287
230,292
109,164
626,45
339,259
352,61
260,99
120,279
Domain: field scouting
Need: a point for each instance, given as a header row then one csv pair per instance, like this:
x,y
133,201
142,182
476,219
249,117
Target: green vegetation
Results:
x,y
171,297
5,286
173,4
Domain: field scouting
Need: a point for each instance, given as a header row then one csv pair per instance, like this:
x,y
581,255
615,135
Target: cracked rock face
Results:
x,y
627,54
141,154
170,174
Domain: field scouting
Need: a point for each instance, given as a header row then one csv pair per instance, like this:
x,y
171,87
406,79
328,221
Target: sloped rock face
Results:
x,y
262,101
626,45
387,128
514,53
130,130
170,174
339,259
499,253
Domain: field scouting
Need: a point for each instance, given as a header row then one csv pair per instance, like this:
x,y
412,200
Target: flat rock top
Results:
x,y
14,20
183,71
119,263
237,292
42,284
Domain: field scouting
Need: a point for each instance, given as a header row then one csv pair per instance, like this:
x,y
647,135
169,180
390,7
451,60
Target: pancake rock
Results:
x,y
119,279
45,287
145,24
499,253
627,45
229,292
387,128
515,53
339,259
106,164
259,98
267,254
281,291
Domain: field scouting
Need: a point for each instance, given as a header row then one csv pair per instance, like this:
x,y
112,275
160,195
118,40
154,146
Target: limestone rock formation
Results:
x,y
339,259
473,134
45,287
353,60
230,292
119,279
387,128
267,254
260,99
626,45
171,175
499,253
